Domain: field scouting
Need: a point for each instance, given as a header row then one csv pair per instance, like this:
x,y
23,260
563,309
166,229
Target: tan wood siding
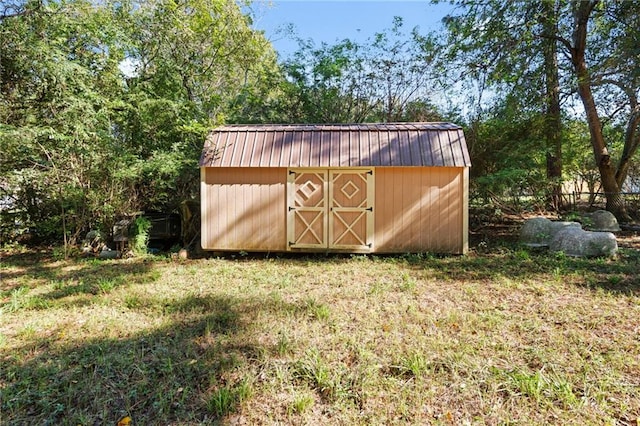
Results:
x,y
420,209
415,209
465,210
243,208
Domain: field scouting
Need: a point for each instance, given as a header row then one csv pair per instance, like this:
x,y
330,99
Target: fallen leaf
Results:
x,y
125,421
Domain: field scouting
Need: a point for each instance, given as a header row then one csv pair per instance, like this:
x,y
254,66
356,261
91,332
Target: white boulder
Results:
x,y
576,242
602,220
539,231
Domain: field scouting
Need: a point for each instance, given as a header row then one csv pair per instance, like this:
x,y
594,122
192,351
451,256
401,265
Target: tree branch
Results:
x,y
566,43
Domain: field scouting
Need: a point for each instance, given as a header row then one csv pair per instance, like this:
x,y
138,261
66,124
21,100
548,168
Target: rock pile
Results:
x,y
568,237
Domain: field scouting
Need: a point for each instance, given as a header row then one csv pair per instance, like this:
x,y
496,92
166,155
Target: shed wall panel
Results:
x,y
243,209
420,209
416,209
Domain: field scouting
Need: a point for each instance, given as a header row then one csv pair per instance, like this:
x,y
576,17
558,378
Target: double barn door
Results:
x,y
330,209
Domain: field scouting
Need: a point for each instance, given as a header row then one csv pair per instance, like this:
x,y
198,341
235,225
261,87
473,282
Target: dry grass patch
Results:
x,y
501,337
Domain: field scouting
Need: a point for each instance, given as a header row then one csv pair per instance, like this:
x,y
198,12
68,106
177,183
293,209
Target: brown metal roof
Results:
x,y
336,145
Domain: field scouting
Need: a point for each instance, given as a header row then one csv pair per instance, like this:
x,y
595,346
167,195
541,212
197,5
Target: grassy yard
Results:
x,y
501,336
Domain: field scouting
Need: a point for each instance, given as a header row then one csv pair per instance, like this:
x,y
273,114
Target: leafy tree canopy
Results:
x,y
104,105
503,45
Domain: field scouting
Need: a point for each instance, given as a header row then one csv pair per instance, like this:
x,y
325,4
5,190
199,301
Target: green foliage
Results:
x,y
283,345
140,238
317,310
386,78
543,388
413,364
57,112
508,159
534,53
300,404
106,285
17,299
225,399
313,370
105,106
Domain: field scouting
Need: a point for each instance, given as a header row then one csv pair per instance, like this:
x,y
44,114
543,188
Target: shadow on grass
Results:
x,y
619,275
22,273
200,364
196,368
500,258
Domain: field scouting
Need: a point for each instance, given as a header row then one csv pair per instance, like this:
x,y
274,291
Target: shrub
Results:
x,y
140,239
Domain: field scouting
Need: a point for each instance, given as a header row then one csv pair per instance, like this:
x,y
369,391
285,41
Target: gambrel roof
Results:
x,y
337,145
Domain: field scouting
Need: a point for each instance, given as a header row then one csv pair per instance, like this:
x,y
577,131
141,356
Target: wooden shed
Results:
x,y
366,188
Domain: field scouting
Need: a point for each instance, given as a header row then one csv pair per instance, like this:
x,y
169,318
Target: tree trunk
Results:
x,y
615,199
553,121
631,142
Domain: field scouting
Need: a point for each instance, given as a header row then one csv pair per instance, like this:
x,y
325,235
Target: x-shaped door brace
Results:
x,y
349,228
309,226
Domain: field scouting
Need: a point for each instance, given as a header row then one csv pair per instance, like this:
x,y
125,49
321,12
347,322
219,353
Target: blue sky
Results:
x,y
331,21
